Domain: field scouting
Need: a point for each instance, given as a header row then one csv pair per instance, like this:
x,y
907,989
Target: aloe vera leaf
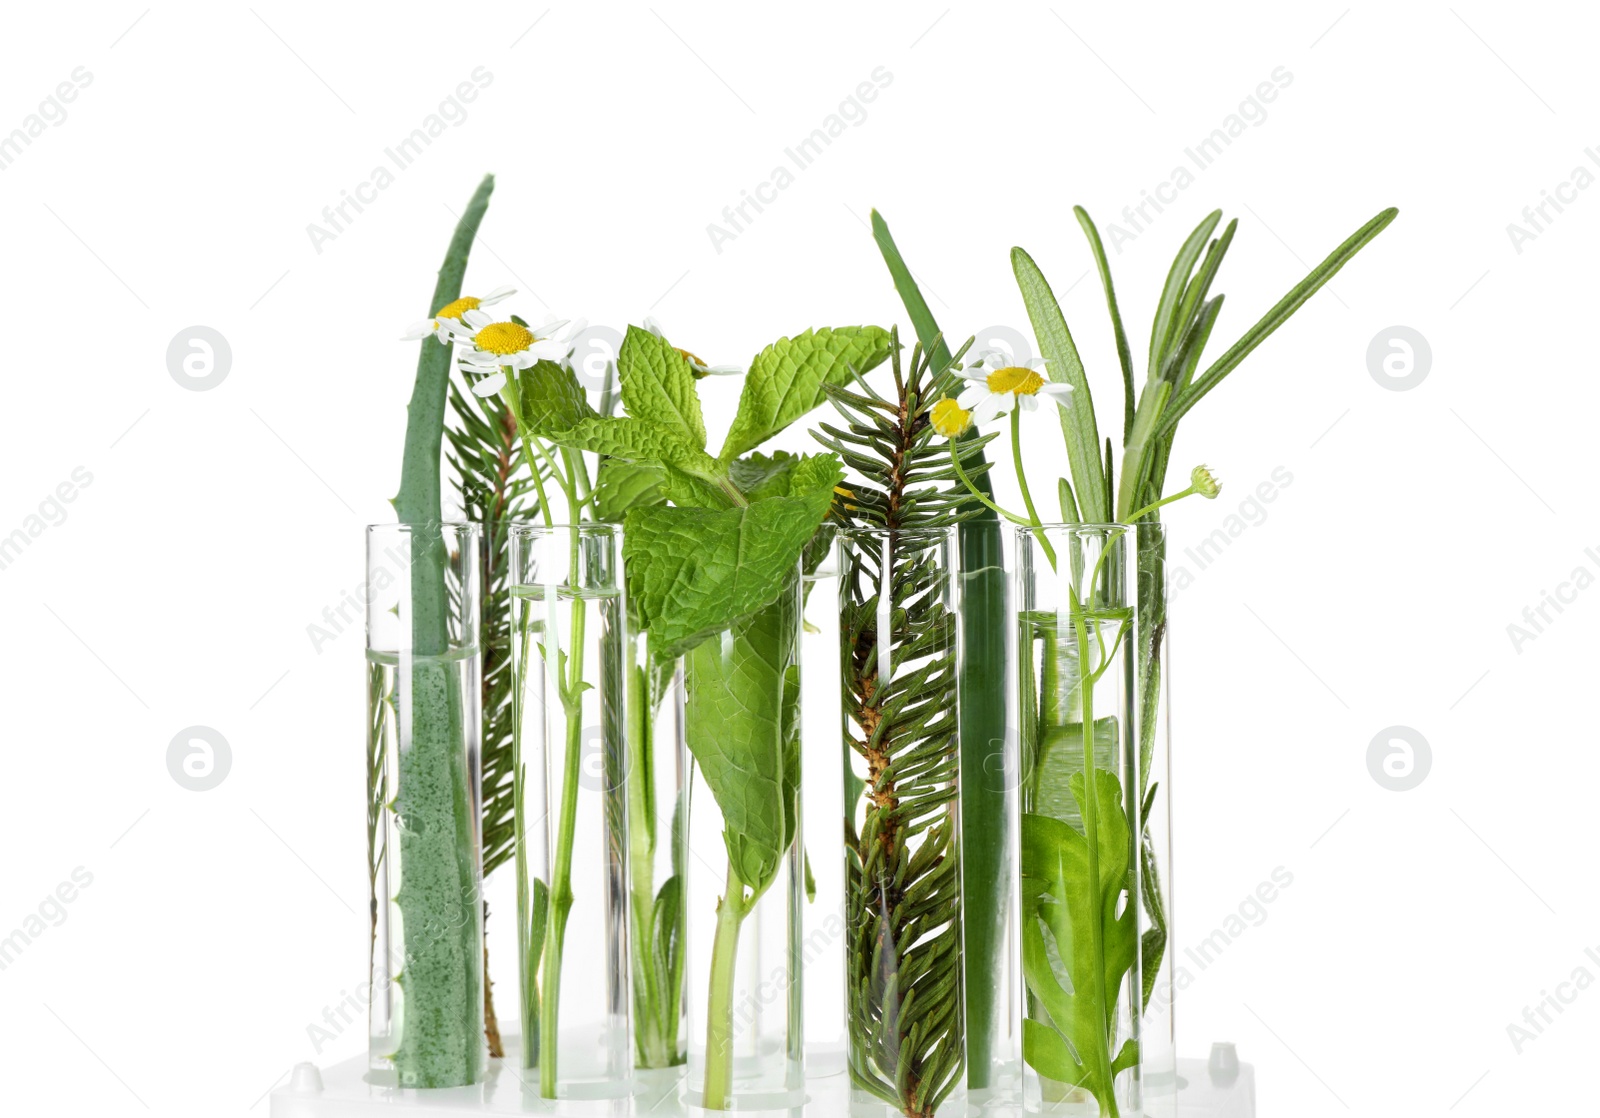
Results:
x,y
1274,318
441,1042
986,826
417,502
1066,367
1124,354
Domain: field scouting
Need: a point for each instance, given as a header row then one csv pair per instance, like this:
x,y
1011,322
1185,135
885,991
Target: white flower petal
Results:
x,y
496,295
653,326
477,319
1028,402
547,349
418,330
725,370
1007,401
990,407
489,385
977,374
1054,389
579,325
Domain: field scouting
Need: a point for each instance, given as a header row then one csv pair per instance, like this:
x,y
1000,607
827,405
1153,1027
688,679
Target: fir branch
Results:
x,y
903,952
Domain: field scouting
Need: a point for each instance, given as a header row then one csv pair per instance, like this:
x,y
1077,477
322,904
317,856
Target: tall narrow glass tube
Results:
x,y
1158,1057
1080,915
423,797
657,805
899,653
568,665
741,725
821,746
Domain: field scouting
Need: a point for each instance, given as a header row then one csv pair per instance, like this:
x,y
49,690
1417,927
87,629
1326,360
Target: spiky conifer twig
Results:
x,y
903,915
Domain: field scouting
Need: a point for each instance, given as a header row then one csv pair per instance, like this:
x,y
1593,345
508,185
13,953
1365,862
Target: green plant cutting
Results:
x,y
712,548
903,901
1075,856
441,1042
986,835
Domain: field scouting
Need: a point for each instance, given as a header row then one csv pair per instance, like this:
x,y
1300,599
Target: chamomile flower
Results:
x,y
1000,384
454,310
696,365
949,418
488,347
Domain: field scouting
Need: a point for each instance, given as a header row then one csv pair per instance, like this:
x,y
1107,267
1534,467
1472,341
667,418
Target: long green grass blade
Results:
x,y
1065,367
910,294
1274,318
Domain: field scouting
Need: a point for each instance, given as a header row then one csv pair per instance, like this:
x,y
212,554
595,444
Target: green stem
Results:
x,y
1091,831
1022,481
955,460
652,1029
561,871
1164,501
1022,475
719,1010
513,398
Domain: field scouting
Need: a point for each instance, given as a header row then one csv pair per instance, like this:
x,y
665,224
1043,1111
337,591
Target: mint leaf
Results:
x,y
620,486
760,476
786,380
693,572
739,723
637,440
658,385
692,491
550,397
763,475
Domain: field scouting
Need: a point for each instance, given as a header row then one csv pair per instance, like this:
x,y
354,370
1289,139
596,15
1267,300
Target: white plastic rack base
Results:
x,y
1220,1087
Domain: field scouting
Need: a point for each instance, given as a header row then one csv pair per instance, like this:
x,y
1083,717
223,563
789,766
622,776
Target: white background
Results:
x,y
1376,591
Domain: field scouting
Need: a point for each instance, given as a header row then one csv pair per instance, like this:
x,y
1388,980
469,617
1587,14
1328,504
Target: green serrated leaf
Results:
x,y
621,486
786,380
763,475
638,440
736,723
658,386
695,571
551,399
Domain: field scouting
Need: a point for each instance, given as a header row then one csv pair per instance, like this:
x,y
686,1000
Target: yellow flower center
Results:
x,y
504,338
690,357
949,418
1016,380
458,308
